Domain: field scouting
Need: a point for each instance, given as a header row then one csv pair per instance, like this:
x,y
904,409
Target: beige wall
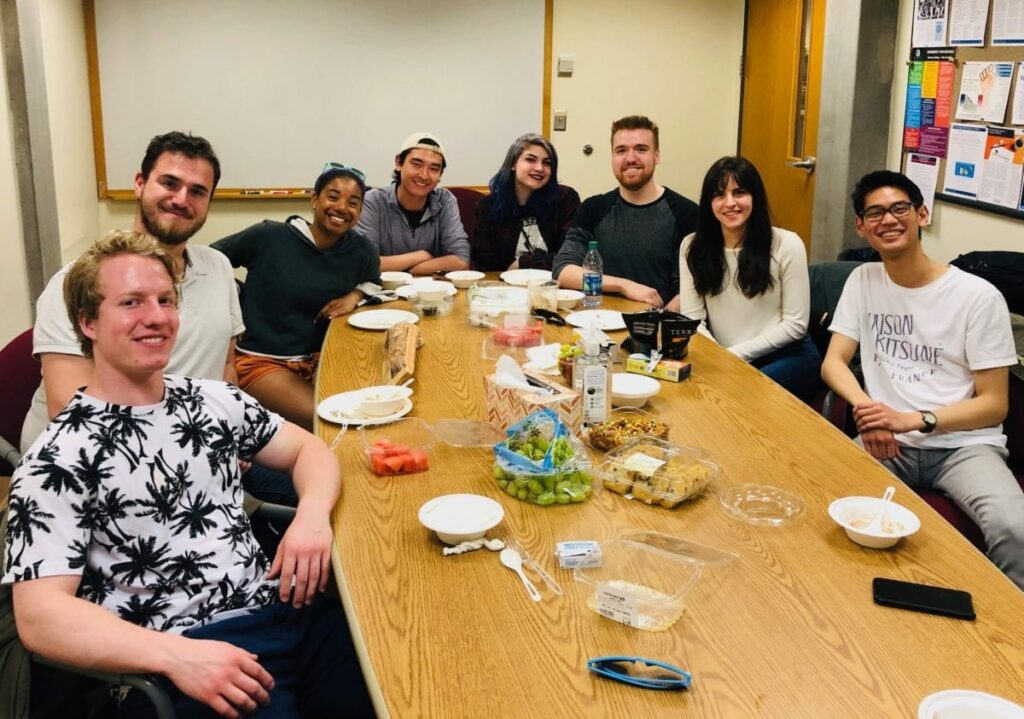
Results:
x,y
676,61
628,60
16,315
955,229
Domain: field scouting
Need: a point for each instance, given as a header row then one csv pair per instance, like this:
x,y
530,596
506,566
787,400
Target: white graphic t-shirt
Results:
x,y
530,239
919,347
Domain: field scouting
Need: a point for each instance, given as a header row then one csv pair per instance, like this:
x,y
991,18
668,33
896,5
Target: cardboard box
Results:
x,y
671,370
504,406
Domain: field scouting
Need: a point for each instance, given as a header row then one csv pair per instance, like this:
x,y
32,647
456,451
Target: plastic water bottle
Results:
x,y
593,272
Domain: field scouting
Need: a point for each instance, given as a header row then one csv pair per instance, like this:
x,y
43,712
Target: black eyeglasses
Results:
x,y
344,168
875,213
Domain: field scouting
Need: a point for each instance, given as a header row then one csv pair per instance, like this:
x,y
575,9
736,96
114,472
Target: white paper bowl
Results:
x,y
432,290
633,390
394,280
458,518
854,513
383,400
568,299
465,278
967,704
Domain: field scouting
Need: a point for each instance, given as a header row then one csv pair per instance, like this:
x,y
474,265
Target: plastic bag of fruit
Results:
x,y
542,462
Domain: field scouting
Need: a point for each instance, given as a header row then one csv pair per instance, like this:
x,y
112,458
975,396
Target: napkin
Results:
x,y
508,374
543,359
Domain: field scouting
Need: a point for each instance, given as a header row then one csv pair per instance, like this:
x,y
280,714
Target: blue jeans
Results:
x,y
797,367
308,652
977,479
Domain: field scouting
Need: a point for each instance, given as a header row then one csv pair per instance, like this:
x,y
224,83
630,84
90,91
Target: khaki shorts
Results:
x,y
252,368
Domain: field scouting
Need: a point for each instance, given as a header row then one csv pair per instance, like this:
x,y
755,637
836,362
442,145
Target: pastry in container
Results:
x,y
654,471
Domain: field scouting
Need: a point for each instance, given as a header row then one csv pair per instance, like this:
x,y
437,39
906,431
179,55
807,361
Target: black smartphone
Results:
x,y
923,598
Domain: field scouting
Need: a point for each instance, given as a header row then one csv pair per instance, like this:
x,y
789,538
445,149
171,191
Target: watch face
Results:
x,y
929,421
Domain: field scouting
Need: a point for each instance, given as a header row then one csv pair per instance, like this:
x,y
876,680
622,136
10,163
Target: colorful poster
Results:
x,y
1003,168
928,107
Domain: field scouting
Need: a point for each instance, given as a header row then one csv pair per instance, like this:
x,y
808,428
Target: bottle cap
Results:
x,y
592,245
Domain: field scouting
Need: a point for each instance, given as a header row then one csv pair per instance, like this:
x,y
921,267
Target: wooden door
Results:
x,y
781,94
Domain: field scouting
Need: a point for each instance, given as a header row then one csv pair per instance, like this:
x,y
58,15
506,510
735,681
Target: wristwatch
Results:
x,y
929,421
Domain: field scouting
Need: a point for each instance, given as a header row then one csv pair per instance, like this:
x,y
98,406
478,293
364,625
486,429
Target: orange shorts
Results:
x,y
252,368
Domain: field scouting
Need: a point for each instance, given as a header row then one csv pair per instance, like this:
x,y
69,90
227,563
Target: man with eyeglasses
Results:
x,y
300,276
935,346
414,223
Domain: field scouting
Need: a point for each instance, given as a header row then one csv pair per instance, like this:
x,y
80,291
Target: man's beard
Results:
x,y
167,236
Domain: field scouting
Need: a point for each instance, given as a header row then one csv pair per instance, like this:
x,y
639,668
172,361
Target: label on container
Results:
x,y
592,284
595,393
617,605
643,463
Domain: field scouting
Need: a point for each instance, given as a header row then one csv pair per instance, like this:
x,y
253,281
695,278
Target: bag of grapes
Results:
x,y
542,462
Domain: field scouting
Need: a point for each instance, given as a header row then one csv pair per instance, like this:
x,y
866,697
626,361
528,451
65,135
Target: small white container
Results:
x,y
432,290
569,299
856,514
394,280
383,400
633,390
465,278
458,518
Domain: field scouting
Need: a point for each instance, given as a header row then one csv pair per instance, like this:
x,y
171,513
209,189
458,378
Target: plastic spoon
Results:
x,y
876,524
511,559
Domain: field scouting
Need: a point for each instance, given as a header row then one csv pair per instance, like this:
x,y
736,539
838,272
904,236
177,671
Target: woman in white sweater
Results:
x,y
747,281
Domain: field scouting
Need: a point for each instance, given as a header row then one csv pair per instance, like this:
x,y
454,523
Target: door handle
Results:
x,y
805,164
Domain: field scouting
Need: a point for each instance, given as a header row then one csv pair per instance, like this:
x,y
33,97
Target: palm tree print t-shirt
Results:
x,y
145,503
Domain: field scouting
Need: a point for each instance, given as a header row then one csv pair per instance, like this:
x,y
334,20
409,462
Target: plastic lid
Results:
x,y
761,504
467,433
592,245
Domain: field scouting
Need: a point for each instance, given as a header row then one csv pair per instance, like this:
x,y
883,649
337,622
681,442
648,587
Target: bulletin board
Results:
x,y
279,88
960,57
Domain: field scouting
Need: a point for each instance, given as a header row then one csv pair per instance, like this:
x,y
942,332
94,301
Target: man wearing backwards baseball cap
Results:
x,y
301,276
414,223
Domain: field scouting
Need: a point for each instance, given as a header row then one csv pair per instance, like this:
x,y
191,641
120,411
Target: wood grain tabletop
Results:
x,y
789,629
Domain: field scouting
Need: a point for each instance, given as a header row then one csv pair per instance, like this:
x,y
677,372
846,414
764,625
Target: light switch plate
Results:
x,y
560,120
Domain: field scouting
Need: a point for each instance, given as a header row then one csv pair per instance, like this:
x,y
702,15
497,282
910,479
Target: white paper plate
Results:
x,y
606,320
344,409
967,704
410,289
521,277
381,319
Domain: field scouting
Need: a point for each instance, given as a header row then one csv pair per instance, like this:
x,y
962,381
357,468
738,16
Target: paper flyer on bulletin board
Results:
x,y
930,18
963,164
929,106
1003,168
967,23
984,90
923,171
1007,22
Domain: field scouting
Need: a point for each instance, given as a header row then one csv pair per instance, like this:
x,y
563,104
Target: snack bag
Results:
x,y
541,462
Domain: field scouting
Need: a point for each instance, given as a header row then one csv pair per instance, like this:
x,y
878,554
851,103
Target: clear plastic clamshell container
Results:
x,y
401,447
654,471
639,584
623,425
488,301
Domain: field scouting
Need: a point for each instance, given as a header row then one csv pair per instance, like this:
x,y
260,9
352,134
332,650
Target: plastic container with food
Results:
x,y
490,301
654,471
530,334
402,447
625,424
542,463
639,584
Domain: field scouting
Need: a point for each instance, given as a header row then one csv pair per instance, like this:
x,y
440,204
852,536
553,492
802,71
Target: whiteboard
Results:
x,y
279,88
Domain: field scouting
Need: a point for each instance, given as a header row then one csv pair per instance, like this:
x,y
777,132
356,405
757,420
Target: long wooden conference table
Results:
x,y
787,630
